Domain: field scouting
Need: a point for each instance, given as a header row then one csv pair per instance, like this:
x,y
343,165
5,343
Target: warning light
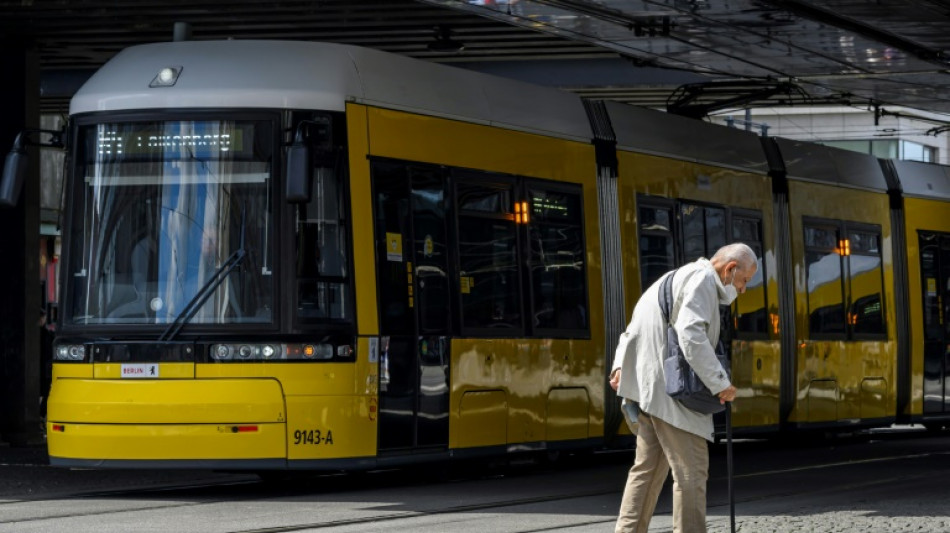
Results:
x,y
844,247
521,212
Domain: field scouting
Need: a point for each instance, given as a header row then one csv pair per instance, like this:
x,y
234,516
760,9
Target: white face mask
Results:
x,y
731,292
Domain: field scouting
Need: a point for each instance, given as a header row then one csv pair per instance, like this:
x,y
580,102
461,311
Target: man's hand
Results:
x,y
727,395
615,379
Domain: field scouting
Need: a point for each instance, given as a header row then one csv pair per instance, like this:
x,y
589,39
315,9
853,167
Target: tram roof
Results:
x,y
805,161
644,130
925,180
323,76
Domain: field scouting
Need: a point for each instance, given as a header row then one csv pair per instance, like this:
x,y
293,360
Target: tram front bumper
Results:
x,y
174,421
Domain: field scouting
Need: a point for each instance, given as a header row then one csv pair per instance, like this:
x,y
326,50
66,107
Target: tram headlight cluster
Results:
x,y
69,352
266,352
244,352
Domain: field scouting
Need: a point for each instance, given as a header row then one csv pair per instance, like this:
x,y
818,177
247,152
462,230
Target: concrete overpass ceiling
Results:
x,y
893,52
890,52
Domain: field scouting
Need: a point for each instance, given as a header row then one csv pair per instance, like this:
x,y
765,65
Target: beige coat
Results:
x,y
639,354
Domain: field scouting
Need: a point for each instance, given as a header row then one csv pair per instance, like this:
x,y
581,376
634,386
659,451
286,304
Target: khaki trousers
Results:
x,y
661,448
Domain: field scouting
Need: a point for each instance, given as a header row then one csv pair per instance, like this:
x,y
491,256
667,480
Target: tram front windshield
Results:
x,y
159,210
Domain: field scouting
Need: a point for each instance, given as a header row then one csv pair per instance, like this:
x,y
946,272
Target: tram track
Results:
x,y
323,501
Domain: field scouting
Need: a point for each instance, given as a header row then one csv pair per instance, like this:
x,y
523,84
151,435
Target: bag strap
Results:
x,y
665,294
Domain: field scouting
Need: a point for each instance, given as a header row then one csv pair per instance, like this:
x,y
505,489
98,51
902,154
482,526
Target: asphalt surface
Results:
x,y
887,482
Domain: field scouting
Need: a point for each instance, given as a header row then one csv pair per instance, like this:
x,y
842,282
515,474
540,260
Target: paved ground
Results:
x,y
887,485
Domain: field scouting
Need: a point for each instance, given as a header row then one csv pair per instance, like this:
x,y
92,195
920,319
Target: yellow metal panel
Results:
x,y
482,419
295,378
756,367
526,370
72,370
361,202
567,414
164,441
919,215
874,398
338,400
821,401
165,401
322,427
846,364
756,364
402,135
668,178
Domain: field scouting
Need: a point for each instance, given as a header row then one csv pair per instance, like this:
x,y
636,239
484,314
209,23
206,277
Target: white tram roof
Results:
x,y
647,131
323,76
924,180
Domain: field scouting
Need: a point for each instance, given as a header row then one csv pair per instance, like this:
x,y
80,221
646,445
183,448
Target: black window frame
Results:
x,y
843,229
674,208
876,230
519,190
657,203
339,144
681,228
465,177
833,225
575,190
75,159
759,248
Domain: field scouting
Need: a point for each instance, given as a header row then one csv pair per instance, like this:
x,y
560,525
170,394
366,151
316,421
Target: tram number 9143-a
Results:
x,y
312,436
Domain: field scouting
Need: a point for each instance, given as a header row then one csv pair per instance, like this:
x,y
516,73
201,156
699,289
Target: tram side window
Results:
x,y
392,219
323,286
656,241
704,230
557,269
865,282
845,279
823,269
489,274
751,308
932,284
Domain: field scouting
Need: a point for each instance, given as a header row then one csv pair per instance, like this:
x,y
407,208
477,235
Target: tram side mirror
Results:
x,y
299,169
312,147
14,166
14,173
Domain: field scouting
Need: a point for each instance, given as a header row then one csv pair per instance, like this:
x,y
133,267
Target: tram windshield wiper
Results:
x,y
217,278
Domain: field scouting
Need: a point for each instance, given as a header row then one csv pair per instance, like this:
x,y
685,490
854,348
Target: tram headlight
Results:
x,y
69,352
268,351
244,352
221,352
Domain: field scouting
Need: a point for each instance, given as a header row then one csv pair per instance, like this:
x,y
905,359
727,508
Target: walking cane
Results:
x,y
732,501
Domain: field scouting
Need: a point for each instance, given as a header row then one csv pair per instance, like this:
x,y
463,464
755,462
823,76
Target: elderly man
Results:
x,y
670,436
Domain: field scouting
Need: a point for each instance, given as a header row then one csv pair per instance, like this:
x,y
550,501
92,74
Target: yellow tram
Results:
x,y
291,255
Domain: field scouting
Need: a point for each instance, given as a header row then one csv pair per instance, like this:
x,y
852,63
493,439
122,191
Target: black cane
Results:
x,y
732,501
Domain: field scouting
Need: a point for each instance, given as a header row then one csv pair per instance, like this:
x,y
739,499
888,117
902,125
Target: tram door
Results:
x,y
414,309
935,278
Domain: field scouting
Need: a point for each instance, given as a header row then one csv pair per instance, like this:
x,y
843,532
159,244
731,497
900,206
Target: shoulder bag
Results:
x,y
682,383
